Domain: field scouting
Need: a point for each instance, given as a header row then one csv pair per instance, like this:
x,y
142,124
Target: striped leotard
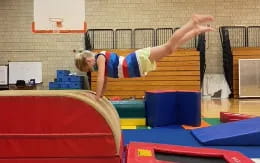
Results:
x,y
135,64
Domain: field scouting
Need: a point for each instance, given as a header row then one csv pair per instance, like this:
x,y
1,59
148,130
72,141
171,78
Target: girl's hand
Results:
x,y
98,97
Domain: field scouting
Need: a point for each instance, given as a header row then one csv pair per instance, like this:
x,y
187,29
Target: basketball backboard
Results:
x,y
59,16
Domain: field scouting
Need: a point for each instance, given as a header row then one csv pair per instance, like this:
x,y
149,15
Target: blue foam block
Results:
x,y
53,85
66,85
76,85
244,132
70,78
160,108
75,78
63,79
173,107
71,85
189,108
61,73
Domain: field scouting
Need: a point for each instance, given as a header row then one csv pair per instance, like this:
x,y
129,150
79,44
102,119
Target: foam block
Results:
x,y
188,108
173,107
244,132
160,108
61,73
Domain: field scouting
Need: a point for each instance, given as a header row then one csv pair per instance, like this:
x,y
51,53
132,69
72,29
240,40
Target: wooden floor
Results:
x,y
212,107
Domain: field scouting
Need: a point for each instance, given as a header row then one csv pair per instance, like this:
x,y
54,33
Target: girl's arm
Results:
x,y
105,86
101,63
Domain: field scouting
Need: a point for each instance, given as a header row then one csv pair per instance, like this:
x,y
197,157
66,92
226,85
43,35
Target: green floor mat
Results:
x,y
212,121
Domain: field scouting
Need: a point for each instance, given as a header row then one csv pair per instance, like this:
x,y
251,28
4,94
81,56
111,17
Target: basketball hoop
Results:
x,y
56,24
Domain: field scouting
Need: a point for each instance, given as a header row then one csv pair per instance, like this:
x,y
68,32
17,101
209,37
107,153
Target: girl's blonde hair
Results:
x,y
80,59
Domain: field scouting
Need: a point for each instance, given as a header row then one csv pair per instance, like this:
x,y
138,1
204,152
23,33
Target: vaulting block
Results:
x,y
58,127
243,132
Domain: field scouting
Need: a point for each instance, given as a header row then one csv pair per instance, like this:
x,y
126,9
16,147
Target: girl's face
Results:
x,y
90,64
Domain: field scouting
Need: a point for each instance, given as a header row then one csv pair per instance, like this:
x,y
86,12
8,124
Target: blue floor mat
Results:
x,y
176,135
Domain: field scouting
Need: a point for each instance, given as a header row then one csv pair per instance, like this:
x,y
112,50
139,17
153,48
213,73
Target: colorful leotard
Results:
x,y
135,64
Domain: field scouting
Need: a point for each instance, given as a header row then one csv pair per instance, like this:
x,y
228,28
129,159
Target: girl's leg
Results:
x,y
189,30
191,34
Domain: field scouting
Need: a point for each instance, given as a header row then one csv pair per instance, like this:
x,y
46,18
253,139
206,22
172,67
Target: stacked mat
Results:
x,y
160,108
132,113
64,81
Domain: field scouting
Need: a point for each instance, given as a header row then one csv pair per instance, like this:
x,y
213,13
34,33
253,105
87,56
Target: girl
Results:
x,y
140,62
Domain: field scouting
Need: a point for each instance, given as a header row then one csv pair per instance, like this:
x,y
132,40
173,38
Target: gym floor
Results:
x,y
212,107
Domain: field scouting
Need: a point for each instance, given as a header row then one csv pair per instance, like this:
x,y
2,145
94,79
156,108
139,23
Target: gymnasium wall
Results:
x,y
17,43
